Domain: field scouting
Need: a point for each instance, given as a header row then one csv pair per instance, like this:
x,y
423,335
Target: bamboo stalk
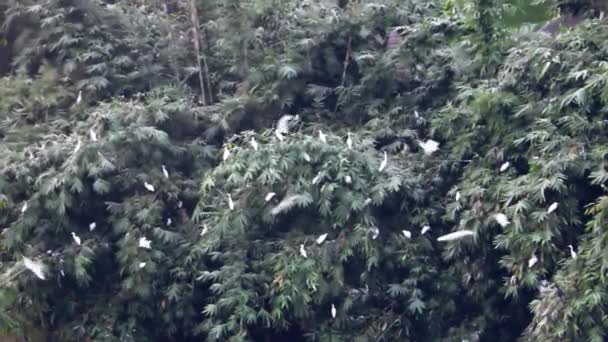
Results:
x,y
196,39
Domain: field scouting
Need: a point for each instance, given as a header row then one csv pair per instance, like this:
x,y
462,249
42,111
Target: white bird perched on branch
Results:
x,y
230,202
269,196
285,123
204,230
321,238
384,163
79,98
254,144
149,187
572,252
334,312
504,166
35,266
76,238
425,229
92,226
455,235
303,251
165,172
407,234
145,243
552,207
226,154
457,197
349,141
532,261
24,207
429,146
169,221
375,233
142,265
322,137
502,219
93,134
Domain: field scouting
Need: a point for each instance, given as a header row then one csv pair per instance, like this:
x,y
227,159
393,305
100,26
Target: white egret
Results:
x,y
552,207
79,98
455,235
457,196
230,202
226,154
165,172
572,252
76,238
77,147
254,143
35,266
322,137
348,180
92,226
429,146
149,187
303,251
407,234
306,157
204,230
24,207
502,219
93,134
269,196
180,204
321,238
425,229
316,179
349,141
532,261
375,233
334,312
142,265
145,243
504,166
384,163
169,221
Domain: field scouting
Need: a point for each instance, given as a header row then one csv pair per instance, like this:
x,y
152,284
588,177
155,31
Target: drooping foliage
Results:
x,y
144,174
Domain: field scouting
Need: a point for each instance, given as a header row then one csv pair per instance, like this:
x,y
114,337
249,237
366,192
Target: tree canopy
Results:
x,y
265,170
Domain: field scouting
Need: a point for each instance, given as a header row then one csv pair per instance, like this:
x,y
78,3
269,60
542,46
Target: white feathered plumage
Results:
x,y
76,238
254,143
504,166
532,261
149,187
407,234
384,163
425,229
165,172
303,251
321,238
552,207
455,235
145,243
502,219
269,196
334,312
429,146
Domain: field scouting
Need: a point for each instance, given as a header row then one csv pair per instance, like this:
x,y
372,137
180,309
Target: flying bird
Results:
x,y
76,238
504,166
552,207
230,202
269,196
93,134
572,252
149,187
321,238
502,219
384,163
303,251
254,143
165,172
333,311
35,266
425,229
429,146
532,261
349,141
455,235
322,137
145,243
226,154
407,234
92,226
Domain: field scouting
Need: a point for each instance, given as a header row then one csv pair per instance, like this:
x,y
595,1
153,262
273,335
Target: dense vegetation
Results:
x,y
265,170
